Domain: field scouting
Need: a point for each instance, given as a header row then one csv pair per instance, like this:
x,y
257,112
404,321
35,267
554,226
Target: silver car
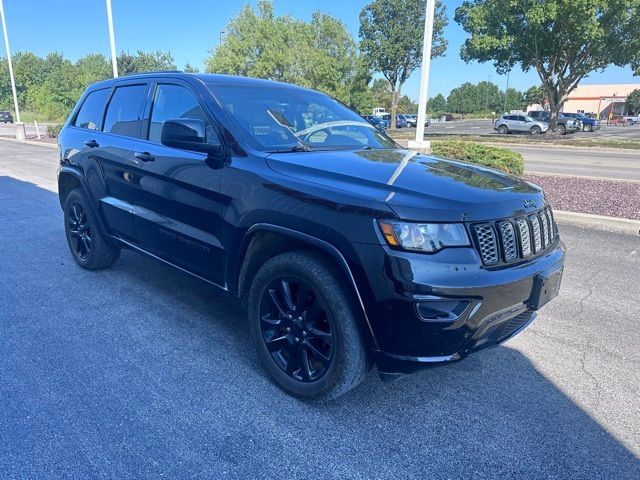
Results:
x,y
519,123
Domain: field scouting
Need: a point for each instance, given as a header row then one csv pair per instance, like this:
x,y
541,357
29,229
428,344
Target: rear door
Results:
x,y
520,123
102,153
121,126
178,205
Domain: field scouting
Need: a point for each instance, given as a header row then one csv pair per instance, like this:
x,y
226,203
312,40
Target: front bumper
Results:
x,y
482,307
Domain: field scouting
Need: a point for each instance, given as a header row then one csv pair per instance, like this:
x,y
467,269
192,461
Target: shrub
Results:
x,y
54,129
487,156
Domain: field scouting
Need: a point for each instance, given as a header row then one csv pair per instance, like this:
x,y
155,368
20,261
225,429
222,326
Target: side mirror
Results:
x,y
189,134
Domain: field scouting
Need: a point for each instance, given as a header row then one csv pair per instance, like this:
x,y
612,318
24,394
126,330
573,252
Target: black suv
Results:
x,y
345,248
6,117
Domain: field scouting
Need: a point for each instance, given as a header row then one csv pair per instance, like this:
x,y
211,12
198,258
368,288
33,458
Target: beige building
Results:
x,y
600,99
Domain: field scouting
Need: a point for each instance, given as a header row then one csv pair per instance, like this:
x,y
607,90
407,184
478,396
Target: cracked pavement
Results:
x,y
141,371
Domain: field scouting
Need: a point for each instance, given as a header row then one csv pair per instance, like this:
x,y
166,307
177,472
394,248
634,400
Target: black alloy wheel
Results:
x,y
79,231
296,329
89,247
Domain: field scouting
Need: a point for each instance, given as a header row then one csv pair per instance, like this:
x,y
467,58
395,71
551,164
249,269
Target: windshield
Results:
x,y
281,119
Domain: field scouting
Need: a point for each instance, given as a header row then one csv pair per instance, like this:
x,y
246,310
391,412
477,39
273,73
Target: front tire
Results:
x,y
535,130
88,246
561,129
304,324
587,128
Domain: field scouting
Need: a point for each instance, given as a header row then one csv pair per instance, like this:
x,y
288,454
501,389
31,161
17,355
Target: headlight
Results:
x,y
424,237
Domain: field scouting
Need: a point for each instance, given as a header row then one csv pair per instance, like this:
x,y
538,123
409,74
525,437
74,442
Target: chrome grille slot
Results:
x,y
508,236
537,234
552,230
525,237
487,244
546,234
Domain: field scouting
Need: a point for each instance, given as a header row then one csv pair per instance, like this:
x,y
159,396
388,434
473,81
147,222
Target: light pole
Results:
x,y
114,58
20,132
506,92
420,142
486,95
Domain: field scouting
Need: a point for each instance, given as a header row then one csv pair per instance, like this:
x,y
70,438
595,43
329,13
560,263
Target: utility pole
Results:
x,y
486,95
20,131
114,58
420,142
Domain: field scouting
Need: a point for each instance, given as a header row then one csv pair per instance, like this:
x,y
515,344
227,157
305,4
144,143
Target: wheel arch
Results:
x,y
70,179
264,241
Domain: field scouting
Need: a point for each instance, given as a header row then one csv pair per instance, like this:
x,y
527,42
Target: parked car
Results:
x,y
345,248
519,123
6,117
564,124
412,120
377,122
632,119
401,121
588,124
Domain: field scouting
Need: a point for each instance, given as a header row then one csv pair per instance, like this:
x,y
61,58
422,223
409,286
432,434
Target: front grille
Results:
x,y
513,239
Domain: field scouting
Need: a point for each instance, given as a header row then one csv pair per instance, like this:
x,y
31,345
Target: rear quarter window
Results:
x,y
90,113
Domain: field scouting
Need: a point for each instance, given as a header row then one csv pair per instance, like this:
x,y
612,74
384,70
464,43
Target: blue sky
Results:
x,y
190,28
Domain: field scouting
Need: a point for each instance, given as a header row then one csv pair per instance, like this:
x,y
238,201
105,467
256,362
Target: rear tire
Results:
x,y
90,249
503,130
304,323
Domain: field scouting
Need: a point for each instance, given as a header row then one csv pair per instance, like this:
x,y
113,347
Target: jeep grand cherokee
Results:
x,y
345,248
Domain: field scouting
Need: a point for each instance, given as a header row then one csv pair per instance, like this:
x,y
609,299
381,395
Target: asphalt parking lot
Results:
x,y
143,371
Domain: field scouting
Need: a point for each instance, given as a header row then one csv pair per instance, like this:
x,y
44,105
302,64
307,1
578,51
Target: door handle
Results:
x,y
91,143
144,156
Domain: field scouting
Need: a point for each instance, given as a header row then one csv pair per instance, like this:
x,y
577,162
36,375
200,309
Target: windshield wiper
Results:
x,y
296,148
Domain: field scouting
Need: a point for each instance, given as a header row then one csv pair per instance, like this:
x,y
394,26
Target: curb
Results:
x,y
29,142
598,222
580,177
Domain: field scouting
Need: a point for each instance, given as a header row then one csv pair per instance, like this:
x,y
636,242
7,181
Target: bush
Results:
x,y
54,130
494,157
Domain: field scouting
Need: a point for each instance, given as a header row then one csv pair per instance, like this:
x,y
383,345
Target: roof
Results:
x,y
209,78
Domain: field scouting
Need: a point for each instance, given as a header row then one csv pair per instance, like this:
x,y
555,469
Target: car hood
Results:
x,y
415,186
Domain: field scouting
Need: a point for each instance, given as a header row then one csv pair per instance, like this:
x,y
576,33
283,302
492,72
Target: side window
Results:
x,y
520,118
124,113
172,102
90,114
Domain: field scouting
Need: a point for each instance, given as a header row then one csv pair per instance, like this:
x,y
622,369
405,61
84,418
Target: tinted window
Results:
x,y
520,119
172,102
90,114
124,114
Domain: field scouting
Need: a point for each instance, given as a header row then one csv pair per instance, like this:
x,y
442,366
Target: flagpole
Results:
x,y
13,82
114,58
420,142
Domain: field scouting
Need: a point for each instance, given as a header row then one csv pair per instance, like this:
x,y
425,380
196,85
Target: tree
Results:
x,y
562,40
190,69
392,33
437,103
320,54
535,96
144,62
514,100
633,100
93,68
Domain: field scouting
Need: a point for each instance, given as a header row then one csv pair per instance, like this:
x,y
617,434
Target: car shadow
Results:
x,y
143,370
